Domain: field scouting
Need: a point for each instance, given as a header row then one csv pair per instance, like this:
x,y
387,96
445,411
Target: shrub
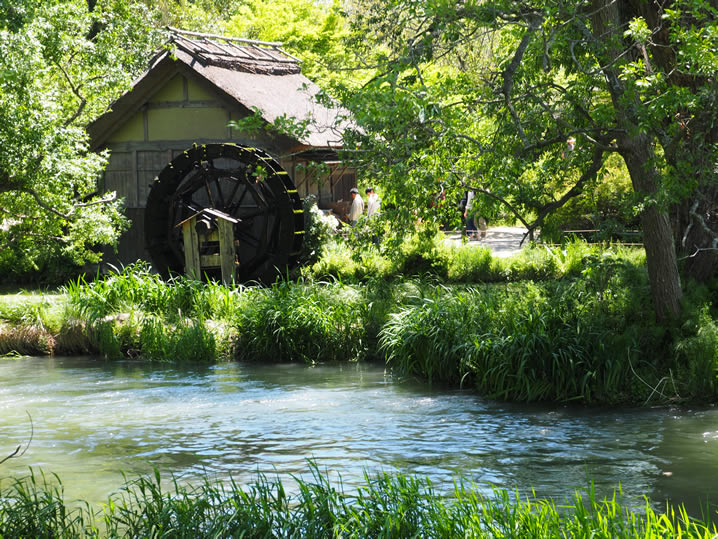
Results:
x,y
424,253
337,262
468,264
319,229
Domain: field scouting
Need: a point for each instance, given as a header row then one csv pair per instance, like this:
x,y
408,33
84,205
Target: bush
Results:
x,y
337,262
470,265
29,263
319,229
424,253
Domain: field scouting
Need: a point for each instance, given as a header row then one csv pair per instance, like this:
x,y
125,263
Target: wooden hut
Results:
x,y
189,94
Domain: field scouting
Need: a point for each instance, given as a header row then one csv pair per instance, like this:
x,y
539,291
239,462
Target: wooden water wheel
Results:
x,y
246,185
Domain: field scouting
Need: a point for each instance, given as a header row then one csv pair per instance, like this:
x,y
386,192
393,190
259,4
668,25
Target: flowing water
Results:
x,y
94,420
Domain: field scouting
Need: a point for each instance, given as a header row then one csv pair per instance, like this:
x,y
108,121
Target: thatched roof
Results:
x,y
250,56
249,74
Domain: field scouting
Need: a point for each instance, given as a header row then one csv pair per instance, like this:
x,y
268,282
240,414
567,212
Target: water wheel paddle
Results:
x,y
238,181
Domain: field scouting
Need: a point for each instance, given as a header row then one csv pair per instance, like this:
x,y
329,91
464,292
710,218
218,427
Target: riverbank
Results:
x,y
386,506
561,325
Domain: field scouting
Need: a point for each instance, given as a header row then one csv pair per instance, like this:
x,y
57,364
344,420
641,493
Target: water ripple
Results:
x,y
94,419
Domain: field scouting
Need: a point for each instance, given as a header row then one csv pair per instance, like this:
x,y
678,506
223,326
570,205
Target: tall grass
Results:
x,y
35,506
385,506
427,254
298,322
573,323
136,287
577,340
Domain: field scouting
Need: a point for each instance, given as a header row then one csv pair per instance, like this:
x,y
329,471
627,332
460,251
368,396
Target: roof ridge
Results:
x,y
235,53
272,44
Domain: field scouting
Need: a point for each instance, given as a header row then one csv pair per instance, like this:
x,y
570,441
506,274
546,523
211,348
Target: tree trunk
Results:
x,y
637,152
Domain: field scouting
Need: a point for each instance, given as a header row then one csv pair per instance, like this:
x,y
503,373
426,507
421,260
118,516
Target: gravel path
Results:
x,y
502,240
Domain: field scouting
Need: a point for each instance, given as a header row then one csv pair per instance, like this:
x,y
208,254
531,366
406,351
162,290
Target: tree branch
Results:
x,y
105,199
488,193
510,71
75,90
42,203
17,453
577,189
698,218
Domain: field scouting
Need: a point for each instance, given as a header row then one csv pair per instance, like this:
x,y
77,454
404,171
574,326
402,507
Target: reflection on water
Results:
x,y
94,419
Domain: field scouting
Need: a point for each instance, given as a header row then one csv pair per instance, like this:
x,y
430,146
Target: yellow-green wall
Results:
x,y
175,118
132,130
186,123
196,92
172,91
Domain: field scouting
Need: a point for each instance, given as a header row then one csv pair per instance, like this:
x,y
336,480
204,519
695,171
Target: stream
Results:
x,y
93,419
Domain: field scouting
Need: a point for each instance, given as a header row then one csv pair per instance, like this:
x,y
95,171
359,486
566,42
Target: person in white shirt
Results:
x,y
357,208
372,202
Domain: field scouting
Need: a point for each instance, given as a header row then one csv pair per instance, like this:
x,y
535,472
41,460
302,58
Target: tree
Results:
x,y
60,66
310,29
488,93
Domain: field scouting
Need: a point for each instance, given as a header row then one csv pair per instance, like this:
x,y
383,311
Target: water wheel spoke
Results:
x,y
246,237
220,193
190,186
251,266
209,193
238,203
256,193
246,215
237,184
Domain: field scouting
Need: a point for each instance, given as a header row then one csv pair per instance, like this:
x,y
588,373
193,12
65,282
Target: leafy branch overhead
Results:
x,y
60,67
255,124
526,103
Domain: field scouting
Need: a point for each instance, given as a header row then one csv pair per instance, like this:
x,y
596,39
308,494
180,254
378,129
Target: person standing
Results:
x,y
357,207
471,232
372,203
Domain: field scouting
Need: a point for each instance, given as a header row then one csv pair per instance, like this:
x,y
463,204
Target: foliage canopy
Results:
x,y
486,96
61,64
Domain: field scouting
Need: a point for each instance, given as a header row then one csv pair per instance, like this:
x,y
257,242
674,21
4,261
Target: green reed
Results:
x,y
384,506
576,340
35,506
583,330
318,322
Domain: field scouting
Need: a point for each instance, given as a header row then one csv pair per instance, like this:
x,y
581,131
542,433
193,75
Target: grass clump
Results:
x,y
299,322
385,505
135,313
558,340
31,324
35,506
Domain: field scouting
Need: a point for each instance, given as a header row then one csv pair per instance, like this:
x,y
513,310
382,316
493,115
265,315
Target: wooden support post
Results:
x,y
191,249
226,250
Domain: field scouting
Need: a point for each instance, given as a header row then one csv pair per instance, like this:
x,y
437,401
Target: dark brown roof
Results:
x,y
253,74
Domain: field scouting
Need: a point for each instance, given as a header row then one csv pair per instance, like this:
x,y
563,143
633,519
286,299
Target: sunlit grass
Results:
x,y
385,505
319,322
568,323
